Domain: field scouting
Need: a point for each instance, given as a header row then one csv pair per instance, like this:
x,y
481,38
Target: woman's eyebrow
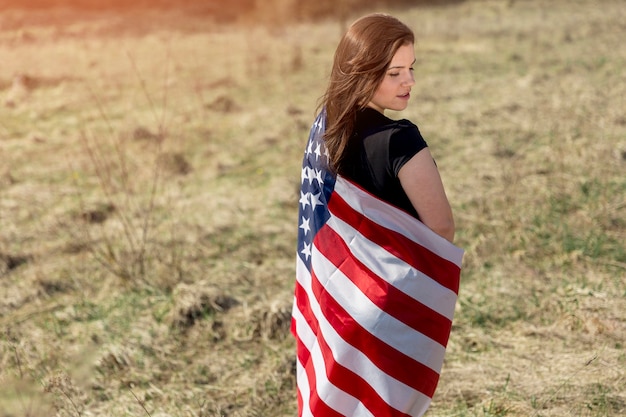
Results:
x,y
402,66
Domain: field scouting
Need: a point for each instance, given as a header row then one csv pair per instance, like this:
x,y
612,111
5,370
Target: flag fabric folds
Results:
x,y
374,298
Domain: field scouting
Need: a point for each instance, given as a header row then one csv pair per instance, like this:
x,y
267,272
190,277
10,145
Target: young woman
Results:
x,y
372,72
376,272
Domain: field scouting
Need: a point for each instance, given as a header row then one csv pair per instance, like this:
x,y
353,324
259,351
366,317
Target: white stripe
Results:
x,y
396,272
376,321
335,398
397,220
302,382
395,393
305,333
307,338
392,391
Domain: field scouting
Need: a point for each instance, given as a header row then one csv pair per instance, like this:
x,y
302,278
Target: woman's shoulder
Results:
x,y
406,126
405,136
370,121
402,129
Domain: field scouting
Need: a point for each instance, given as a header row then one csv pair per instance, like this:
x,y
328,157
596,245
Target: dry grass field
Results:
x,y
150,163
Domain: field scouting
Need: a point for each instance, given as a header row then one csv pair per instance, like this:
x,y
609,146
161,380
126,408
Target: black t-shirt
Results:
x,y
379,148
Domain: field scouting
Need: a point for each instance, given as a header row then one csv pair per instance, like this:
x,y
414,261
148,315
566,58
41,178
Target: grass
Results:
x,y
148,203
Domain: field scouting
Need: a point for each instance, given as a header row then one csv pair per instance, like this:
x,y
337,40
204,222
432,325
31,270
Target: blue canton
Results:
x,y
317,184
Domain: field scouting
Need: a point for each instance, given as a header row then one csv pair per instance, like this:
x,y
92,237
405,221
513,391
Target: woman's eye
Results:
x,y
394,74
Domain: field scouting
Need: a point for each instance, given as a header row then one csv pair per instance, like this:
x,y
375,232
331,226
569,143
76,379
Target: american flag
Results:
x,y
374,298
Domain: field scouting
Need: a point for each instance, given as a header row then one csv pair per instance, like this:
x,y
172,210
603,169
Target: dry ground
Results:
x,y
148,198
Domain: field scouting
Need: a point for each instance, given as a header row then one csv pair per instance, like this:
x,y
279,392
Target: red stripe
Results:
x,y
416,255
294,332
304,307
353,384
293,327
316,404
300,402
391,361
341,377
303,304
302,351
387,297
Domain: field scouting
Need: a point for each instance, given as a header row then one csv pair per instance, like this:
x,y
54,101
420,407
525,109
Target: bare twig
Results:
x,y
126,204
141,403
569,378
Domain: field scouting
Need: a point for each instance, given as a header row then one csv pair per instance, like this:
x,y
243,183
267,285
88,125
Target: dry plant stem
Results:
x,y
69,397
564,383
141,403
105,175
105,180
17,360
62,383
147,220
137,243
142,81
107,256
118,148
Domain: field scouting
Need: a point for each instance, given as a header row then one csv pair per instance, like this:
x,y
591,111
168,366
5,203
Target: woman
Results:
x,y
377,275
373,72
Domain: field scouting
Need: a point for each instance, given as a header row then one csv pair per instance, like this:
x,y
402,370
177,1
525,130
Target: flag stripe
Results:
x,y
405,277
394,219
308,383
326,398
375,389
352,383
308,377
408,310
429,263
385,357
377,323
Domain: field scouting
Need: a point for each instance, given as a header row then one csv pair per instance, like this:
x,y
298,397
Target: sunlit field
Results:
x,y
149,177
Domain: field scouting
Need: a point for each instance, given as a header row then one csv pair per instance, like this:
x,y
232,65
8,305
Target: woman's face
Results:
x,y
393,93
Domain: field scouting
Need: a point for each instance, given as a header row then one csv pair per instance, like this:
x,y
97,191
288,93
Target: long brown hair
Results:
x,y
361,61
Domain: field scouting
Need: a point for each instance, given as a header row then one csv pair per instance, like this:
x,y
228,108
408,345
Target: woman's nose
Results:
x,y
409,81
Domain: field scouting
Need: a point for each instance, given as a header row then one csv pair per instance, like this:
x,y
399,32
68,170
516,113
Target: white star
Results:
x,y
305,225
315,200
304,199
317,124
311,175
309,149
325,153
306,251
318,176
318,151
305,174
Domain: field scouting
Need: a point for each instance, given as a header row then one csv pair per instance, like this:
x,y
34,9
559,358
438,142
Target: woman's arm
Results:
x,y
422,183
